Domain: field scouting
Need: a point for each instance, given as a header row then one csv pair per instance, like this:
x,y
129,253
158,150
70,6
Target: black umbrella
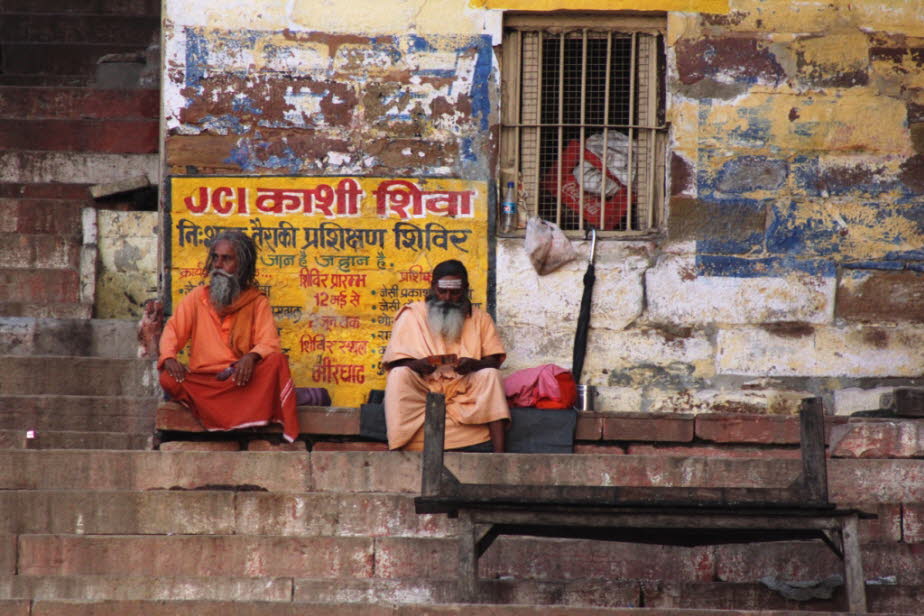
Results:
x,y
583,322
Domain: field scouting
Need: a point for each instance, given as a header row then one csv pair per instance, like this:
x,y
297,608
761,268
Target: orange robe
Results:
x,y
215,343
472,400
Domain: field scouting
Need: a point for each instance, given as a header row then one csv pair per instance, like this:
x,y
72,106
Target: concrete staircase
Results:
x,y
150,532
76,110
74,383
69,119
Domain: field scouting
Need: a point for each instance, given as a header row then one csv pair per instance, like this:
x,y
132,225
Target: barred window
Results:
x,y
582,127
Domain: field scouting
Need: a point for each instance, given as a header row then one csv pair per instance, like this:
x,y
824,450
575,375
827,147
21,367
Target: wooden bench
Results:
x,y
659,515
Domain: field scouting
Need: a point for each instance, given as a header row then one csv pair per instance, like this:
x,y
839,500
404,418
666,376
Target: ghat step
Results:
x,y
878,481
82,376
78,103
222,608
118,414
607,593
112,338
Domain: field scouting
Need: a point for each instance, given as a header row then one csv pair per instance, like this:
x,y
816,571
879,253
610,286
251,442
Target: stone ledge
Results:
x,y
878,438
314,420
682,434
757,429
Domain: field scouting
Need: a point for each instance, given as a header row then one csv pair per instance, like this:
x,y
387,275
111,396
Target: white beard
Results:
x,y
446,319
223,289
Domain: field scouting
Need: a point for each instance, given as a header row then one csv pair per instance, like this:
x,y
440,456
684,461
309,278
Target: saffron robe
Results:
x,y
472,400
216,341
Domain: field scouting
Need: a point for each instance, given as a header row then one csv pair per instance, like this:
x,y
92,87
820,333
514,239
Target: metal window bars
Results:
x,y
581,128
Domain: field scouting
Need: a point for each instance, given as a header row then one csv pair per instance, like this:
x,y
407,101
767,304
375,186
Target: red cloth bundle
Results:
x,y
616,205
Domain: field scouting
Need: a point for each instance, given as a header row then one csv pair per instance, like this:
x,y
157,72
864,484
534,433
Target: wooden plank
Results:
x,y
613,496
434,434
689,520
853,566
812,438
664,536
909,401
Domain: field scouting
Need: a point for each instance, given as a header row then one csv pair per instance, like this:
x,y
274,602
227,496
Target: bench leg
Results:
x,y
468,559
853,566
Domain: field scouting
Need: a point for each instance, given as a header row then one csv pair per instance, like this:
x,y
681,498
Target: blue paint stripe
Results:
x,y
739,267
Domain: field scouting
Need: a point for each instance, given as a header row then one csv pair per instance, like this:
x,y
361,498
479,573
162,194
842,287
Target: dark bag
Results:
x,y
311,396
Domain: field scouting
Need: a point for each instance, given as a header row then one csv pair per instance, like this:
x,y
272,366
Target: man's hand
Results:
x,y
467,365
243,369
421,366
175,369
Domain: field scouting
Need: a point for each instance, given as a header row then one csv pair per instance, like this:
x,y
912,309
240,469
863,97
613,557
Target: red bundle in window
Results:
x,y
616,203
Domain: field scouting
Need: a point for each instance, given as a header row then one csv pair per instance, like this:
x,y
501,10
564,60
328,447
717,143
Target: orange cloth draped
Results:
x,y
210,335
216,341
472,400
269,397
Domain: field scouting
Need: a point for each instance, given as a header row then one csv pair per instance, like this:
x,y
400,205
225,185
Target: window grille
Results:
x,y
583,94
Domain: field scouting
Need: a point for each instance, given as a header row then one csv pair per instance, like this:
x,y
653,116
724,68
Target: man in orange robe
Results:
x,y
237,375
446,324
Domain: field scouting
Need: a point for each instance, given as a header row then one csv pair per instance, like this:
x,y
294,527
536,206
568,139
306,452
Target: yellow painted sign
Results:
x,y
337,257
690,6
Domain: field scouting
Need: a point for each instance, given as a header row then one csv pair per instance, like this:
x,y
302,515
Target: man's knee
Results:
x,y
487,374
402,376
170,384
272,360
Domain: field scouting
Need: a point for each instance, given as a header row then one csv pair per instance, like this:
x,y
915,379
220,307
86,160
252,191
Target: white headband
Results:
x,y
449,283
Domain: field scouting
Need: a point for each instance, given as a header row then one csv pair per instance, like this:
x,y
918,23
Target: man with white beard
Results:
x,y
237,375
445,345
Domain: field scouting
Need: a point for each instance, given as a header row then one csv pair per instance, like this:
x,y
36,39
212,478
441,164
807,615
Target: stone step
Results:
x,y
77,413
29,27
593,592
54,190
283,513
172,417
216,512
39,250
47,310
45,80
375,608
122,588
880,481
74,439
112,338
91,7
31,286
109,136
58,217
60,59
77,376
74,167
519,558
155,470
78,103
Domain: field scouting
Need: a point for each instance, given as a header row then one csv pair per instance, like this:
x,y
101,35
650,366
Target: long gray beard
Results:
x,y
446,319
223,289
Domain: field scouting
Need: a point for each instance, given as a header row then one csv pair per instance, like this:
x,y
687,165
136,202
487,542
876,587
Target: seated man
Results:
x,y
237,375
446,324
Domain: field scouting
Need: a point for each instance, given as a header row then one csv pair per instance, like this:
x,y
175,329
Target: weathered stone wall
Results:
x,y
790,258
127,268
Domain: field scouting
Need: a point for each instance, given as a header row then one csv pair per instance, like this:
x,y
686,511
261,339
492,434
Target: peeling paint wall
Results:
x,y
127,265
791,258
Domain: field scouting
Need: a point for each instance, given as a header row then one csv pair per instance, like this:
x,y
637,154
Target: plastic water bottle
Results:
x,y
508,218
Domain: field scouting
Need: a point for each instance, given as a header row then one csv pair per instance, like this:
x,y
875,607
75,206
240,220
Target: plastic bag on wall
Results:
x,y
546,245
617,155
